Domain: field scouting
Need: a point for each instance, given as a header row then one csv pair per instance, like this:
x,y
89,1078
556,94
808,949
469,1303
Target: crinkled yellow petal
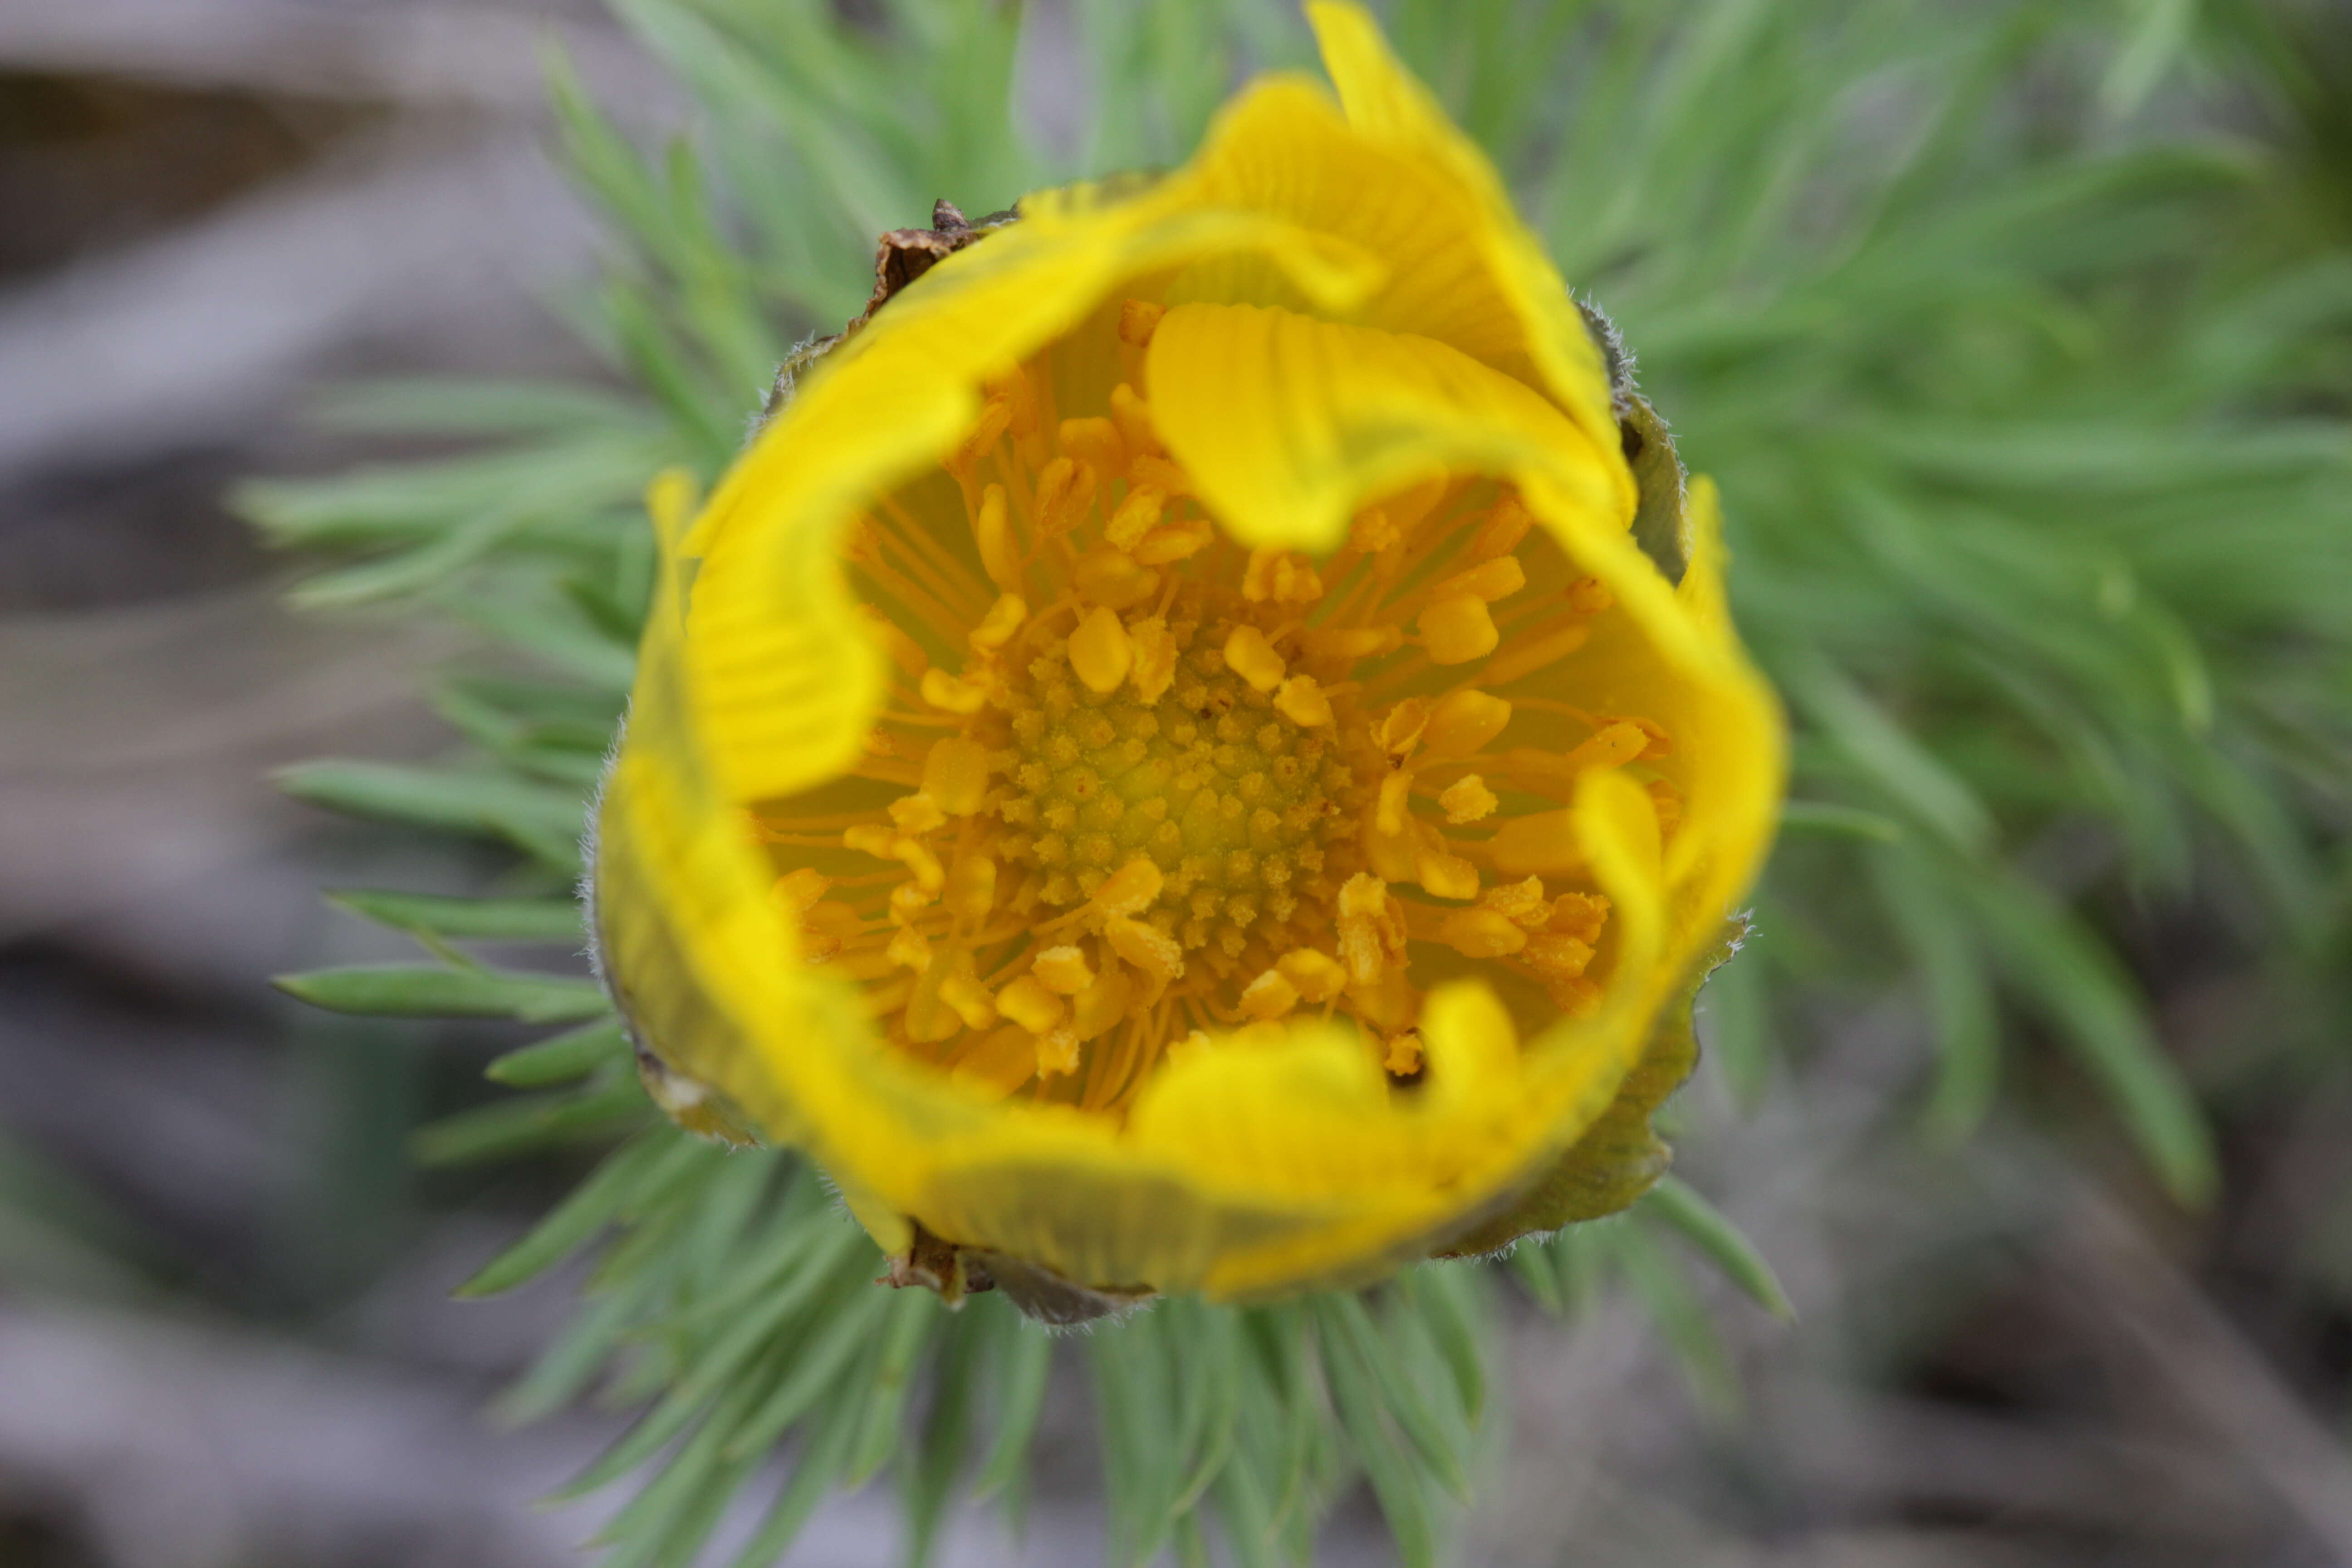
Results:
x,y
1386,106
782,671
1288,423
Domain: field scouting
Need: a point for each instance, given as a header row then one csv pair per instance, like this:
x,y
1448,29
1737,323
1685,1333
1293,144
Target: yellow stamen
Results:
x,y
1457,629
953,693
997,628
1096,442
1063,970
1271,996
1467,799
1137,318
1252,659
1137,515
1029,1003
991,531
1302,701
1100,651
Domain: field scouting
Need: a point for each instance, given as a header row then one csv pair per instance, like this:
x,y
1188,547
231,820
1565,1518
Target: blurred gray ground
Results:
x,y
224,1337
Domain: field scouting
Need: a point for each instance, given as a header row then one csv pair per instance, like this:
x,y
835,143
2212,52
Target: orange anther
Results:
x,y
1401,1057
1462,723
1137,515
1096,442
995,418
1063,970
1505,527
1175,541
1489,580
1252,658
1457,629
1613,745
1137,320
1129,890
917,813
1155,657
797,892
909,949
1148,469
1399,729
1102,1006
908,900
1444,876
1371,928
970,999
1372,533
1351,643
1480,933
1580,915
1467,799
1027,1003
1271,996
1302,701
1057,1051
1066,492
1114,579
971,888
1521,903
1003,619
1318,976
1556,956
953,693
1100,653
955,774
1281,576
1148,948
1133,416
992,531
1391,811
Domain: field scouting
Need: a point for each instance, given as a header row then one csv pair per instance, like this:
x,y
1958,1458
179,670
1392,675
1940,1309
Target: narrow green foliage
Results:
x,y
603,1109
907,1328
2069,976
1690,1333
421,991
574,1054
1373,1439
541,822
1698,1222
944,1436
1024,1359
625,1177
502,919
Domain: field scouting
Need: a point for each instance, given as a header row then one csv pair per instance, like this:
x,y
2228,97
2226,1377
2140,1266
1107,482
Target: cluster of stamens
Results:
x,y
1182,794
1228,797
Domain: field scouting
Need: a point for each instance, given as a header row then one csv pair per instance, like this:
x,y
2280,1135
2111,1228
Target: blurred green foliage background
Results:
x,y
2018,338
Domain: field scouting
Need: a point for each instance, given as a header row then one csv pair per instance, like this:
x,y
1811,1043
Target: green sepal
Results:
x,y
1620,1157
1661,517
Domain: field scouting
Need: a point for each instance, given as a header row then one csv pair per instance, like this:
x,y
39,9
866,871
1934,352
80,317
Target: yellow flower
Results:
x,y
1164,766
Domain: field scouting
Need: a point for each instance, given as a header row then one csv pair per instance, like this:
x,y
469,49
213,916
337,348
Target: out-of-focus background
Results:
x,y
224,1330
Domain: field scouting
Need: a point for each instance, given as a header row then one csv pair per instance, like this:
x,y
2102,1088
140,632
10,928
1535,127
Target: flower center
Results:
x,y
1229,798
1136,786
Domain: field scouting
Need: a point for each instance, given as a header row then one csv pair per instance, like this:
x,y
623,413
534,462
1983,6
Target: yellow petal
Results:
x,y
1288,423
